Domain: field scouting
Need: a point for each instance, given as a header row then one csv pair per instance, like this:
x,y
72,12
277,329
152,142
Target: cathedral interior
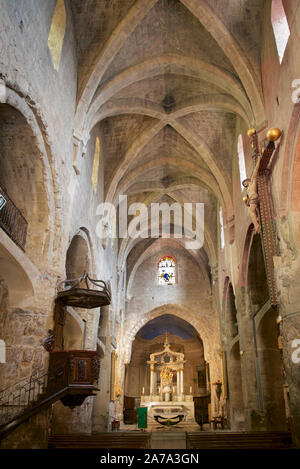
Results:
x,y
113,107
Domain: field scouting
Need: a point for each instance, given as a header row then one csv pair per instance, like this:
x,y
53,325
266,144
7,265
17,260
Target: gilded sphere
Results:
x,y
273,134
245,199
251,132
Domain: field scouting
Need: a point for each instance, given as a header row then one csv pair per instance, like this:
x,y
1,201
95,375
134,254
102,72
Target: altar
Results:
x,y
167,404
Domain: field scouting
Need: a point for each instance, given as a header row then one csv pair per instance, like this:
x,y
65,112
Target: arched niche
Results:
x,y
77,257
22,178
183,338
232,329
257,278
236,412
18,282
77,261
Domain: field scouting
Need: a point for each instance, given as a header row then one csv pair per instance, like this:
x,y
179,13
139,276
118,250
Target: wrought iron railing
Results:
x,y
12,220
15,399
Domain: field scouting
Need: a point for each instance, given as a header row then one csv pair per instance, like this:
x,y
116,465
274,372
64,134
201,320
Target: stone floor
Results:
x,y
168,440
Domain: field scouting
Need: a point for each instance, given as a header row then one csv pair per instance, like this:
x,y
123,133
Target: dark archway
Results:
x,y
257,279
231,320
182,338
77,258
267,355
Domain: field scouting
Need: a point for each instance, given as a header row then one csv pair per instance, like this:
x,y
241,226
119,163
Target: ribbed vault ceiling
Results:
x,y
167,82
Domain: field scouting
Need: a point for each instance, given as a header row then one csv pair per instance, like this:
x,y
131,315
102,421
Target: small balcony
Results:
x,y
12,220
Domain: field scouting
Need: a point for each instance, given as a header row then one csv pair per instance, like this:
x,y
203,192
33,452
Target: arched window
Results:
x,y
57,32
241,155
222,229
167,270
95,171
280,27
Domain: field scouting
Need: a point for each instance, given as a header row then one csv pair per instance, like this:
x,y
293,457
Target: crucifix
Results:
x,y
259,203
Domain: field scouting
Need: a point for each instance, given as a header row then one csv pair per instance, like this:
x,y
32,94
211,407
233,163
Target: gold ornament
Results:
x,y
245,199
251,132
273,134
166,376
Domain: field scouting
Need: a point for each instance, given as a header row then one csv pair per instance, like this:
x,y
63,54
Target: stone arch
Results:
x,y
245,256
224,297
20,323
157,249
230,312
79,255
231,48
89,84
204,177
170,63
142,107
18,277
257,278
24,156
180,311
154,332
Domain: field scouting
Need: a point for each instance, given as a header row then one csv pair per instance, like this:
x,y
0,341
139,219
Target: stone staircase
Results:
x,y
193,440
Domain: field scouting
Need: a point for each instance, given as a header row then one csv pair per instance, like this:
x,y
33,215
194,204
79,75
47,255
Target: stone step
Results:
x,y
101,440
242,440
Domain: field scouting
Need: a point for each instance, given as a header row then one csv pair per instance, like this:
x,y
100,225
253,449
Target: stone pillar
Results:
x,y
151,380
271,367
290,333
181,382
100,416
254,417
236,403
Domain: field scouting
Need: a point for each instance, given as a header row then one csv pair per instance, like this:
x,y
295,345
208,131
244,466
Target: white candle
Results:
x,y
190,389
143,390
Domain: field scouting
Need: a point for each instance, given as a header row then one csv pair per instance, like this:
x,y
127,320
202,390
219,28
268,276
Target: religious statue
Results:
x,y
252,199
166,376
218,385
